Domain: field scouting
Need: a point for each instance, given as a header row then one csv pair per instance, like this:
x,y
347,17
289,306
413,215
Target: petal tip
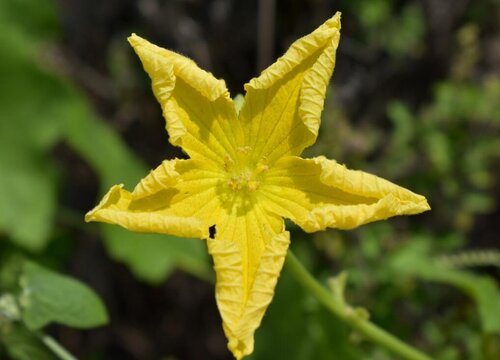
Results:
x,y
414,204
334,21
424,205
111,196
89,217
134,40
239,348
327,34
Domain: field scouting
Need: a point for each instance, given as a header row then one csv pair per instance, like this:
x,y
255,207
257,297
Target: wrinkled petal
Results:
x,y
200,115
244,173
177,198
163,177
319,193
247,268
115,208
282,109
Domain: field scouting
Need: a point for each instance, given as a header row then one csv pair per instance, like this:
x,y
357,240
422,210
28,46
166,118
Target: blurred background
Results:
x,y
415,98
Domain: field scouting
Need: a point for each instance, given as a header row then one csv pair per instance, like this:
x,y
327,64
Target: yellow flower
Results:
x,y
244,173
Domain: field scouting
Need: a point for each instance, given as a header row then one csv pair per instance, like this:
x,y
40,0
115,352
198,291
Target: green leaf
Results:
x,y
407,32
153,257
50,297
491,346
9,310
21,344
482,289
29,125
415,260
374,13
439,150
106,153
28,203
403,122
37,18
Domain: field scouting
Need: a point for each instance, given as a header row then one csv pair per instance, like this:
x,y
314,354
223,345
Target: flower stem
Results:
x,y
55,347
349,315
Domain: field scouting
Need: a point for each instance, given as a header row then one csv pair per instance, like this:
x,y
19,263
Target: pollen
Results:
x,y
243,181
244,149
244,177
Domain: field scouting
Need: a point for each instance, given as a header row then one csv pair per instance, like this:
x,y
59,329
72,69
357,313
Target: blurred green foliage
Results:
x,y
399,31
40,109
53,111
27,183
21,344
448,149
41,297
49,297
410,273
321,336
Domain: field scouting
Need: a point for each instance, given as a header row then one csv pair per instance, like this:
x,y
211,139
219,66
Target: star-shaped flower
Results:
x,y
244,173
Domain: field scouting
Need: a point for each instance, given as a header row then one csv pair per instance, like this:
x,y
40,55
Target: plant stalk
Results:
x,y
55,347
347,314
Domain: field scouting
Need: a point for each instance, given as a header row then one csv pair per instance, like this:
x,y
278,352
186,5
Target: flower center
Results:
x,y
243,180
243,174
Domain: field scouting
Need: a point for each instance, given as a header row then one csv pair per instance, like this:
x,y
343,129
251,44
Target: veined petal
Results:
x,y
247,265
116,208
319,193
243,174
282,109
200,115
177,198
163,177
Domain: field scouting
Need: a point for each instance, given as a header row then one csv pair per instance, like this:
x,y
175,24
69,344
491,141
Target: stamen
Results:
x,y
244,149
228,162
261,168
244,176
253,185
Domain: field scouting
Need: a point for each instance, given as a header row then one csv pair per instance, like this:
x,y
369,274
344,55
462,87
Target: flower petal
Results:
x,y
163,177
319,193
247,267
177,198
200,115
116,208
282,109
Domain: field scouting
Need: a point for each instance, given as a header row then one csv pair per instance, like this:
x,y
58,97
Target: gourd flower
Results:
x,y
244,173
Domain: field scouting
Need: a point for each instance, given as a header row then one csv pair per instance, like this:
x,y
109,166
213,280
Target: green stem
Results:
x,y
348,315
56,348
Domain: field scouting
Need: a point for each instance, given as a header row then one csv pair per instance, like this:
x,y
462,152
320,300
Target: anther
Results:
x,y
244,149
253,185
228,162
261,168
